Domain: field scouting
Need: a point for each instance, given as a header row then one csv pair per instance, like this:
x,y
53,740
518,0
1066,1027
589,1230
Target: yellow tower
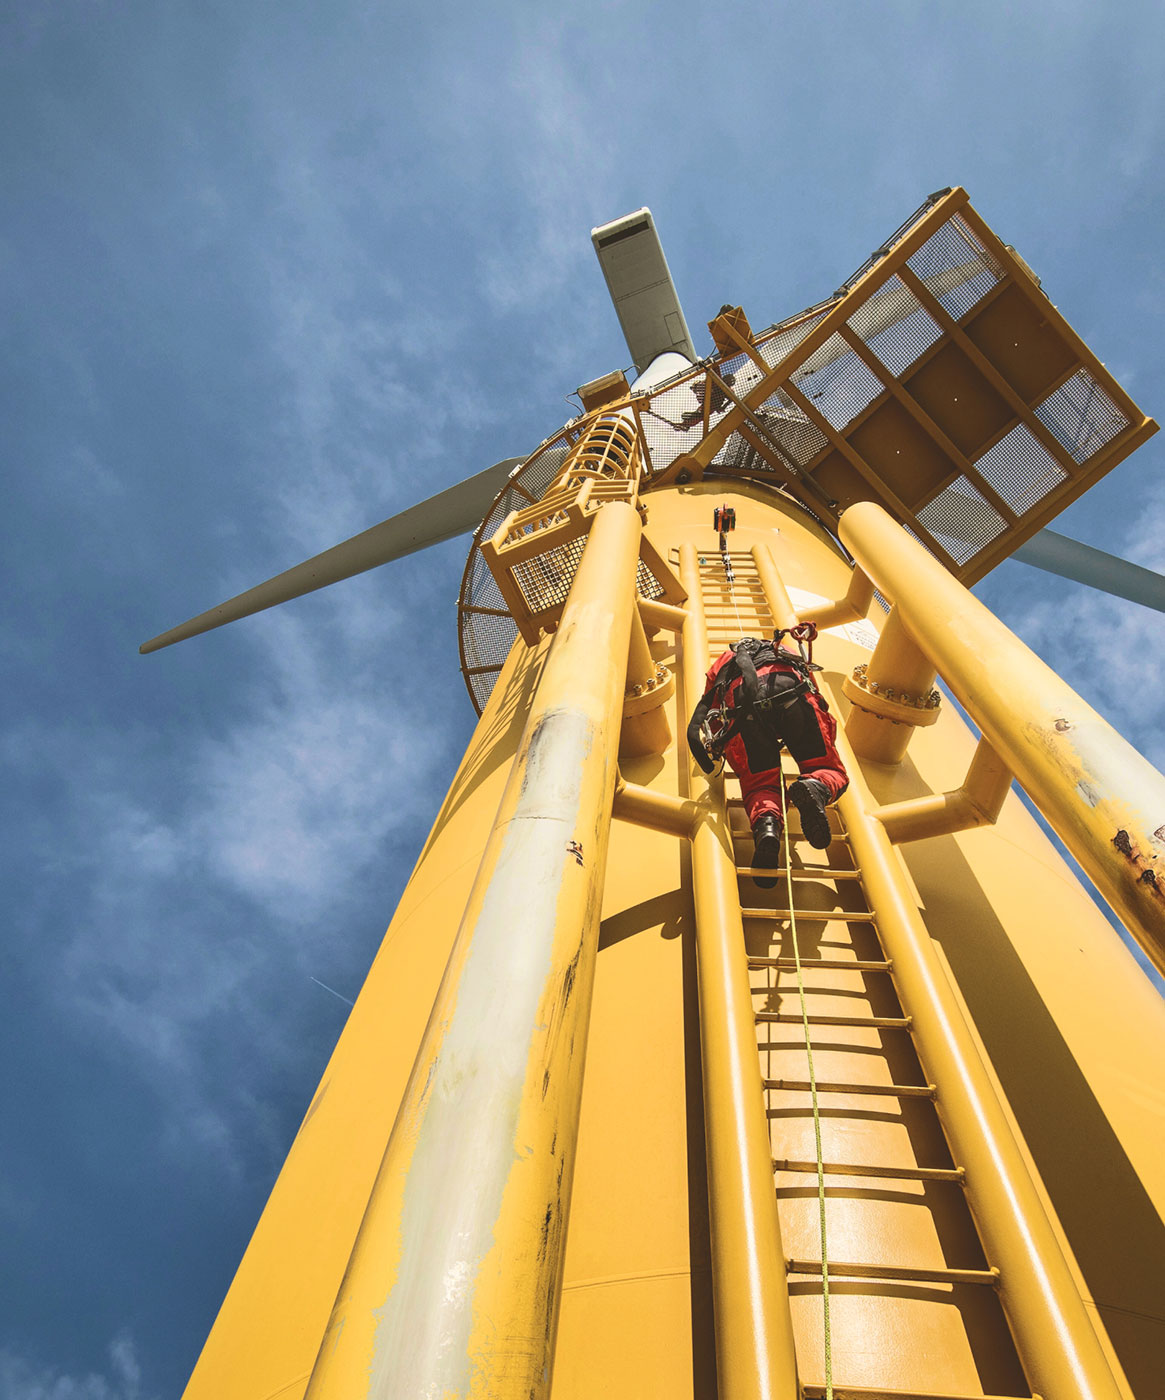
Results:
x,y
609,1118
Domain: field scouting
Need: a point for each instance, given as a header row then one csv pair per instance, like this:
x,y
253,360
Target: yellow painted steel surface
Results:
x,y
1074,1032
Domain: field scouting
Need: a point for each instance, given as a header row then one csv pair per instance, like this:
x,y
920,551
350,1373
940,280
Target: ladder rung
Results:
x,y
815,1390
802,872
888,1173
892,1091
849,916
793,1018
834,964
895,1271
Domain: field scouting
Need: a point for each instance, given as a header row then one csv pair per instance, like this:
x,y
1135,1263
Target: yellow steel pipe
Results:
x,y
773,585
850,608
897,664
1106,801
645,726
1057,1344
755,1357
660,811
656,614
454,1282
977,802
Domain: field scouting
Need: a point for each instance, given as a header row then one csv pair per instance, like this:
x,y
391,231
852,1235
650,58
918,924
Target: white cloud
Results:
x,y
21,1379
283,815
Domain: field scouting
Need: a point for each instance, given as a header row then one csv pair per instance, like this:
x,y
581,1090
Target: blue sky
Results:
x,y
272,272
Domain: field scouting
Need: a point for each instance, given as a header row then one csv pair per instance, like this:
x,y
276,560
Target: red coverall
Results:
x,y
815,752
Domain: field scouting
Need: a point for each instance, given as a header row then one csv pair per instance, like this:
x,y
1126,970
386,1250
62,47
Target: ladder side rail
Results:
x,y
1103,798
755,1356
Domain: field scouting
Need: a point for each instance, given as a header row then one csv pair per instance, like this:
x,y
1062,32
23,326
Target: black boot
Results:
x,y
810,796
766,833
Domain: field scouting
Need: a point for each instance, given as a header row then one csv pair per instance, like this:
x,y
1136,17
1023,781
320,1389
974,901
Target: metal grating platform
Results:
x,y
939,381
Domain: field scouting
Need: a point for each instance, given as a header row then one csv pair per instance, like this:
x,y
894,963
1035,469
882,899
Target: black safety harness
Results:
x,y
758,707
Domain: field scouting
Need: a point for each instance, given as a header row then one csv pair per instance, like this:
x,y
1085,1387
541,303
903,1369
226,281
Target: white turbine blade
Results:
x,y
1057,554
641,287
441,517
886,308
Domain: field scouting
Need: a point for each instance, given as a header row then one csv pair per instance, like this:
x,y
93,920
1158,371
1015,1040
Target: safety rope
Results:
x,y
813,1094
730,579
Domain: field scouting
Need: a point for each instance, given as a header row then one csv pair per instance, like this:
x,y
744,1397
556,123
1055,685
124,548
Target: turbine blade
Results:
x,y
1057,554
441,517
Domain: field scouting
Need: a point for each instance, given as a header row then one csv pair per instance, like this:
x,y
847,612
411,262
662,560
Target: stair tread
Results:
x,y
801,872
850,916
815,1390
895,1271
892,1091
785,1164
832,964
788,1018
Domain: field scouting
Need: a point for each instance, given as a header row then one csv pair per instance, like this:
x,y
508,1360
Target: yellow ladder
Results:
x,y
904,1256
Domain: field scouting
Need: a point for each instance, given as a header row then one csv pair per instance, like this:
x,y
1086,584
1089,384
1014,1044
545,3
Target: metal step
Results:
x,y
815,1390
802,872
849,916
793,1018
783,1164
891,1091
899,1273
833,964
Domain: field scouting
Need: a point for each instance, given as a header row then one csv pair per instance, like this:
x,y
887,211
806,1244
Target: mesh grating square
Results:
x,y
837,382
955,266
1021,469
545,579
1081,416
799,440
894,326
774,351
961,520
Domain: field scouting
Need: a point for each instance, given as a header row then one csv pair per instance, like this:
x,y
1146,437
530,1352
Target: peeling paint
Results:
x,y
1088,792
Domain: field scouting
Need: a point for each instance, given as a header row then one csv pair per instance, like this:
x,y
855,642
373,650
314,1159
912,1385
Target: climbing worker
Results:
x,y
760,696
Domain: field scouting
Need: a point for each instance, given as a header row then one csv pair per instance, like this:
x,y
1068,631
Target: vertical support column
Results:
x,y
454,1283
890,698
755,1358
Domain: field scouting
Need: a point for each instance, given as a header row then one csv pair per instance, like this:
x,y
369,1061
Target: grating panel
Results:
x,y
837,382
1081,416
962,520
894,326
955,266
1020,469
776,347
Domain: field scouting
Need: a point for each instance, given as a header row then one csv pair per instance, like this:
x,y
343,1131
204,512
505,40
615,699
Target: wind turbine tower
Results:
x,y
609,1118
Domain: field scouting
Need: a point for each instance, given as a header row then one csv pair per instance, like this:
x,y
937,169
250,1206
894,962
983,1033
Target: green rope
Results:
x,y
813,1092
